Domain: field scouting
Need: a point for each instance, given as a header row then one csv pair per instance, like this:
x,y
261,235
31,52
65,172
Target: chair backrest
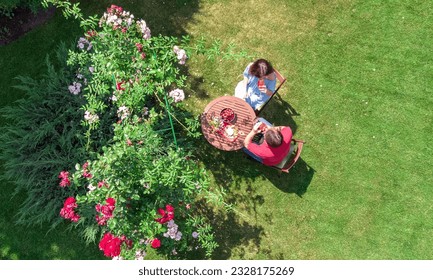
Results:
x,y
292,158
281,81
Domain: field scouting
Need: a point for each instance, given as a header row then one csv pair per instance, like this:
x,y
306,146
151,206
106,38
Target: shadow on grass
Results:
x,y
37,242
280,112
230,233
195,85
296,181
240,176
163,17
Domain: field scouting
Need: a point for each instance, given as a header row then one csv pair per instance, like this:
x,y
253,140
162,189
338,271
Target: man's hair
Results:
x,y
261,67
273,137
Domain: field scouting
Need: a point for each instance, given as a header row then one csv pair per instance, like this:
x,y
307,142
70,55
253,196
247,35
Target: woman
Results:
x,y
258,84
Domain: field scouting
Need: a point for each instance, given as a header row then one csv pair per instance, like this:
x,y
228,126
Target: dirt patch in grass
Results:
x,y
22,22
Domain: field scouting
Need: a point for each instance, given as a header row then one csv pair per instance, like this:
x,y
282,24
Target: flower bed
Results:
x,y
138,192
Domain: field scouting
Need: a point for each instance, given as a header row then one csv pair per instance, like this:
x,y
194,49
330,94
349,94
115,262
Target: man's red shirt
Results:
x,y
273,155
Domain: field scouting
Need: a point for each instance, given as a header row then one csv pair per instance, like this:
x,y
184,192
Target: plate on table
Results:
x,y
231,132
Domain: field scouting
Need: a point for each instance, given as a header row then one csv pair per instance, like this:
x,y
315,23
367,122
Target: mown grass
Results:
x,y
359,76
359,91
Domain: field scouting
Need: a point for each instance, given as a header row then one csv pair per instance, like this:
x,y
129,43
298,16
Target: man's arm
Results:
x,y
249,139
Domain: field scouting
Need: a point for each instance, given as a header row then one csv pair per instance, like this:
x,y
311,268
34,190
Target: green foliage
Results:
x,y
142,177
130,83
4,32
114,111
42,136
72,10
214,49
7,7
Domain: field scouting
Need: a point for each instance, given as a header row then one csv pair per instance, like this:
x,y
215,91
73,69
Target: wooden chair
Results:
x,y
281,81
292,156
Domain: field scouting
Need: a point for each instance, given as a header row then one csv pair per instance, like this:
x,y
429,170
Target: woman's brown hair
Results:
x,y
260,68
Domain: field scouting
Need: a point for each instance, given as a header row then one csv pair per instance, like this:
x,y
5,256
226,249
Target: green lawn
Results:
x,y
359,91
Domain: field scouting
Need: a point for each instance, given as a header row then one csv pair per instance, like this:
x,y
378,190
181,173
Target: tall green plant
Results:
x,y
42,136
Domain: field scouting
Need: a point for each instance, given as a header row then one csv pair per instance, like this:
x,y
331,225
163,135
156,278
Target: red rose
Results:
x,y
106,211
86,173
64,175
167,215
65,182
161,212
75,218
156,243
114,9
102,183
119,86
70,201
67,211
102,221
139,47
110,245
90,34
110,201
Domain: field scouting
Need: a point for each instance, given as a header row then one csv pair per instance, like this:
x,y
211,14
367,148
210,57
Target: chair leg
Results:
x,y
280,173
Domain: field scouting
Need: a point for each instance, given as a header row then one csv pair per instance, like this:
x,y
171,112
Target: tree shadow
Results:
x,y
173,15
165,17
231,233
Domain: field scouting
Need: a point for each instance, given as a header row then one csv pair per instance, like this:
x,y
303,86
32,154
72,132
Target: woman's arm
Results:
x,y
265,90
268,92
246,86
272,83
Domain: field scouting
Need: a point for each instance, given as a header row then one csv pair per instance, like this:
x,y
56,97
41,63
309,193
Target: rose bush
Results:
x,y
138,191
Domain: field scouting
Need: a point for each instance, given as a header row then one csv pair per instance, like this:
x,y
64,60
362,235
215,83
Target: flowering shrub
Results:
x,y
138,191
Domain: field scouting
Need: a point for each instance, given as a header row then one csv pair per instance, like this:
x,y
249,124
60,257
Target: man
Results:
x,y
275,146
